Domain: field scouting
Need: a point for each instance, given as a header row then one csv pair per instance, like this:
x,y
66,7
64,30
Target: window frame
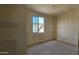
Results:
x,y
38,24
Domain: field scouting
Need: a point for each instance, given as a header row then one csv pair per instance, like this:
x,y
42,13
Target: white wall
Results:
x,y
68,26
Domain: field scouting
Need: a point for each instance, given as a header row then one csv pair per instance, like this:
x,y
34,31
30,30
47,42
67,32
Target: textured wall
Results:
x,y
68,26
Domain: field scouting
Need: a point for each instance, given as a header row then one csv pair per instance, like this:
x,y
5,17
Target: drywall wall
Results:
x,y
68,26
12,29
33,38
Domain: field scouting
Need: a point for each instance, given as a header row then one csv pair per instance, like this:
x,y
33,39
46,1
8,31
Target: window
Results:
x,y
38,24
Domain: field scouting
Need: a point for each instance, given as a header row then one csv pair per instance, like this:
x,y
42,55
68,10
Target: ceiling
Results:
x,y
50,9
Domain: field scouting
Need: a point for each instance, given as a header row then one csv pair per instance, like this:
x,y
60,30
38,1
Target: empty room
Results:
x,y
39,29
52,29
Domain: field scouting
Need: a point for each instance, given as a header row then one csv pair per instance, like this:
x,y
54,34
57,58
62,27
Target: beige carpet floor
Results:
x,y
53,48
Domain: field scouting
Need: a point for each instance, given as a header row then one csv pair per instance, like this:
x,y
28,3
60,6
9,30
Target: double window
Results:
x,y
37,24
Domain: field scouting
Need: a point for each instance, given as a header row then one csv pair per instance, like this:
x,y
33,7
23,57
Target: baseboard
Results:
x,y
40,43
68,43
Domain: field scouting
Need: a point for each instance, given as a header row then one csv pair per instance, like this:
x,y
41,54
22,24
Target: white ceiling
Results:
x,y
50,9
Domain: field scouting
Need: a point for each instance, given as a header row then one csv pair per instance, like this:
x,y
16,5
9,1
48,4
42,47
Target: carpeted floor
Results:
x,y
53,48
